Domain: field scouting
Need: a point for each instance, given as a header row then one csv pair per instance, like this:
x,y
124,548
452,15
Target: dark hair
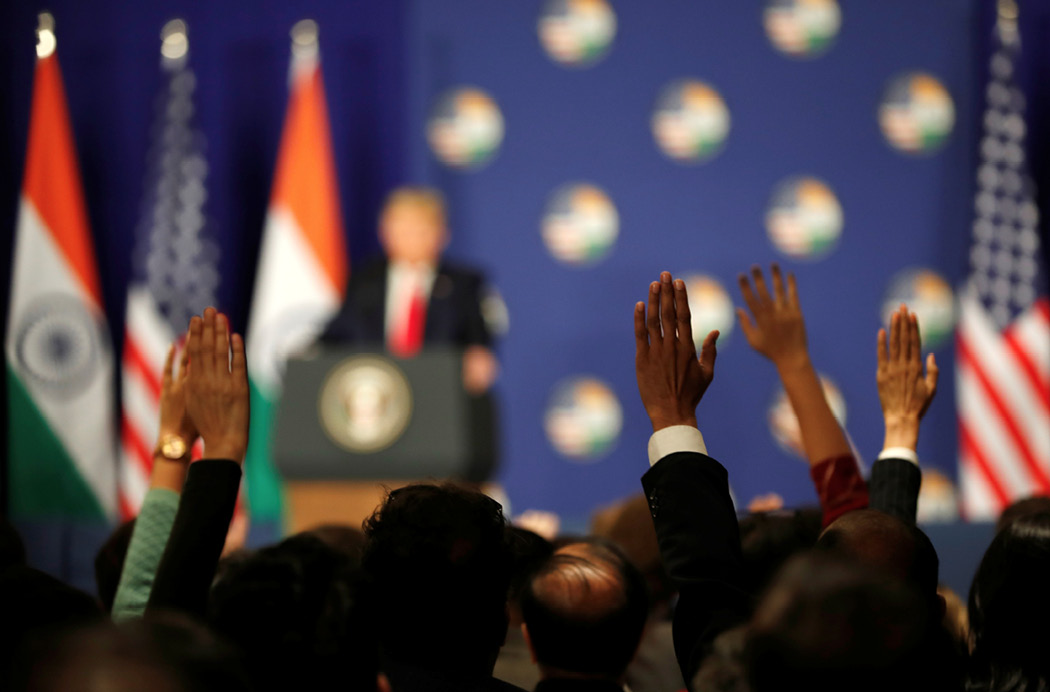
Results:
x,y
887,543
109,563
1010,609
296,612
528,551
34,605
769,539
585,609
1036,504
826,618
439,570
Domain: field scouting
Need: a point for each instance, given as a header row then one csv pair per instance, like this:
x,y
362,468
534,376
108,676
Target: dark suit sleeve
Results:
x,y
197,537
699,539
894,488
476,331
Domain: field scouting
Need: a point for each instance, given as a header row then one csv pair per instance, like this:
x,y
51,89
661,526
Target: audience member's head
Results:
x,y
439,568
725,669
1035,504
109,562
35,605
629,524
769,539
887,544
296,613
828,623
585,609
97,658
1010,609
345,539
412,225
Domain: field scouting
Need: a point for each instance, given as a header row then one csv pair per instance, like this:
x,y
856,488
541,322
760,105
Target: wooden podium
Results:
x,y
354,423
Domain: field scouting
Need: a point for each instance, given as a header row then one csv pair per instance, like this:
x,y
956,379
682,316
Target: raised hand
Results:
x,y
671,378
904,391
775,327
174,420
218,387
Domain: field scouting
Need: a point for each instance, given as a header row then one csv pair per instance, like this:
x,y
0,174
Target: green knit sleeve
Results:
x,y
147,546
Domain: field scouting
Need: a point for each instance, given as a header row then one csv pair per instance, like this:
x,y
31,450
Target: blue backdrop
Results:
x,y
386,64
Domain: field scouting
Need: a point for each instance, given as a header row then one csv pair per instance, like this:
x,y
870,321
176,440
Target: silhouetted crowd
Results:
x,y
671,590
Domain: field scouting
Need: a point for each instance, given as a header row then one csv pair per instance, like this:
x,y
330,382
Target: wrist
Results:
x,y
789,364
224,449
666,421
902,431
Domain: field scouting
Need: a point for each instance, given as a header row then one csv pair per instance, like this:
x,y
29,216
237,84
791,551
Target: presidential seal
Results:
x,y
365,404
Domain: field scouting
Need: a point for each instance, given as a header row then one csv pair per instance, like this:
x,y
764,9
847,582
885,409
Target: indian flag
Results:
x,y
302,269
62,452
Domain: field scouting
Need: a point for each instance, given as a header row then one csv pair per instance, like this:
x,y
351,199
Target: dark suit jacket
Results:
x,y
453,313
699,539
187,568
894,488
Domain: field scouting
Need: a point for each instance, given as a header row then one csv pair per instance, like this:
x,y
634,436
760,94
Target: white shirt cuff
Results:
x,y
899,453
677,438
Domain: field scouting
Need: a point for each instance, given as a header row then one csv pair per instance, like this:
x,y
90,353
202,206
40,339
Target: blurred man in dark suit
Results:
x,y
411,297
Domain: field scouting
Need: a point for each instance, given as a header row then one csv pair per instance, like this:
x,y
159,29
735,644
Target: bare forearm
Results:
x,y
822,436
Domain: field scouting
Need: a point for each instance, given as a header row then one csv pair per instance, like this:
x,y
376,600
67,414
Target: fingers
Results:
x,y
193,345
184,362
168,363
760,285
685,319
652,320
222,343
914,344
932,373
749,296
895,336
667,313
881,349
641,337
239,362
779,298
207,349
708,354
792,291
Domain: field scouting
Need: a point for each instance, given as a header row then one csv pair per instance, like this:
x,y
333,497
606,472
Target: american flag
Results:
x,y
175,264
1003,341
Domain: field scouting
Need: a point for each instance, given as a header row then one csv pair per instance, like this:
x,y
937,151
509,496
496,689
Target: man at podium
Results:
x,y
411,298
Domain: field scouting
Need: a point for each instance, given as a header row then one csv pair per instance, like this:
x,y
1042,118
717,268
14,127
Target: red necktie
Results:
x,y
408,339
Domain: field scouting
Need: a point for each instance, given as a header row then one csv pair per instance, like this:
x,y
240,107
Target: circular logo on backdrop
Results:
x,y
917,113
583,418
690,121
465,128
804,219
930,297
802,28
783,423
58,344
580,224
710,308
577,33
365,404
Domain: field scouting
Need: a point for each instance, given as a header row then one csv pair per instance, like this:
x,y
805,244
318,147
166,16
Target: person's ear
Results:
x,y
528,641
382,683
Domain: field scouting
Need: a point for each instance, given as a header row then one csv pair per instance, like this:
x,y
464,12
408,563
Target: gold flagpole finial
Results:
x,y
304,38
45,35
174,41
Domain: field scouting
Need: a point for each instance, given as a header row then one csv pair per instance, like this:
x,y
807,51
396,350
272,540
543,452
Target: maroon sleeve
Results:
x,y
840,486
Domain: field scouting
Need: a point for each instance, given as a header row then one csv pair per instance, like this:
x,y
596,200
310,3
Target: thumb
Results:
x,y
708,353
